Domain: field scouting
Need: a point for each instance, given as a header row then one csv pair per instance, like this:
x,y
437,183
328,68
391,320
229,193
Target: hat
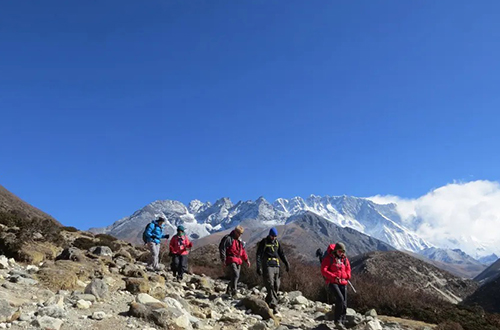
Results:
x,y
273,232
239,229
339,246
161,219
180,228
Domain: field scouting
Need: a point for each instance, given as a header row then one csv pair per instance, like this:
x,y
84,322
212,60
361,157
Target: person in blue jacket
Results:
x,y
152,235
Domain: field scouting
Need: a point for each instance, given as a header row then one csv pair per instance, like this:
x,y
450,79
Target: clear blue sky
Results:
x,y
109,105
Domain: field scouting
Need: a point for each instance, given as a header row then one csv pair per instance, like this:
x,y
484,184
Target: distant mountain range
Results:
x,y
201,219
381,222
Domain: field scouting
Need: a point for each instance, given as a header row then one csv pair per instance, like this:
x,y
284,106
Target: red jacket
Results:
x,y
180,245
334,269
232,250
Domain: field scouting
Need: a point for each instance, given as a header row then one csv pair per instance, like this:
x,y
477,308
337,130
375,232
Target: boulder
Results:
x,y
7,313
137,285
102,251
47,322
72,254
258,307
98,288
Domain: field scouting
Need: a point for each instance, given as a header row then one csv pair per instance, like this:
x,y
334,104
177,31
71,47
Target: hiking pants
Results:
x,y
340,293
155,254
234,273
179,265
272,282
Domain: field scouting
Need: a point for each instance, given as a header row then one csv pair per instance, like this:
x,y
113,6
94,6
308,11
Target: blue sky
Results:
x,y
108,105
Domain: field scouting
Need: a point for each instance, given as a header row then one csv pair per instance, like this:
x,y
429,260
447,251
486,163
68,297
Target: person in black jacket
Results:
x,y
269,253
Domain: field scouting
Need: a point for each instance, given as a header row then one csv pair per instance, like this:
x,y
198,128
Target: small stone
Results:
x,y
98,315
83,304
32,269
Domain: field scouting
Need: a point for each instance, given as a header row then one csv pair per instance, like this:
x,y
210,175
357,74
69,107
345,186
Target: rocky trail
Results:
x,y
104,290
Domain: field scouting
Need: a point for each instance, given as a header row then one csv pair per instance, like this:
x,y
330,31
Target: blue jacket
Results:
x,y
154,232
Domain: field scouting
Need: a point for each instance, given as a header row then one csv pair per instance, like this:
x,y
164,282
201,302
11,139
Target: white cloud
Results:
x,y
461,214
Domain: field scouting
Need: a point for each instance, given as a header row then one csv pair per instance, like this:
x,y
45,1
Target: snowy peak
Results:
x,y
201,219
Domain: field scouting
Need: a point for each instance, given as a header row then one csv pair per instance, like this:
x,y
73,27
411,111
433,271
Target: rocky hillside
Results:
x,y
90,286
10,203
489,274
487,296
405,270
454,261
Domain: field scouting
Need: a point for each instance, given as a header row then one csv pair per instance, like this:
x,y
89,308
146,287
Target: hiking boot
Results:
x,y
339,325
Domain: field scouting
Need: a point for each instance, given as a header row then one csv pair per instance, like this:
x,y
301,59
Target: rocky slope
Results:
x,y
11,203
489,274
101,288
405,270
487,296
454,261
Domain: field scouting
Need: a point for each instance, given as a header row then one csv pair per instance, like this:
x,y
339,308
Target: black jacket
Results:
x,y
269,252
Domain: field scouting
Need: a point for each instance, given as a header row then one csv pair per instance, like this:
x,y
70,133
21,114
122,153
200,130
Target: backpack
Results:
x,y
222,242
144,236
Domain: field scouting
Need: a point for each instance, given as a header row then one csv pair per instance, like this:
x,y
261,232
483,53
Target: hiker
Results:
x,y
269,253
336,270
152,235
233,254
179,249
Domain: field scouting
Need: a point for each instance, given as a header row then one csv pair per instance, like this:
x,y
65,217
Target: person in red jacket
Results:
x,y
179,249
336,270
233,254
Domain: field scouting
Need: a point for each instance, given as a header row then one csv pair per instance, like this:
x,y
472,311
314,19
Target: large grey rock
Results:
x,y
98,288
7,313
47,322
4,262
54,311
103,251
71,253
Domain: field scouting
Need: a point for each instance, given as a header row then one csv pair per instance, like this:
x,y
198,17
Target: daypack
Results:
x,y
144,236
222,242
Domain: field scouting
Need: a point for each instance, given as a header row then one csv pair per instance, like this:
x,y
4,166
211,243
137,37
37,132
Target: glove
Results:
x,y
287,268
259,271
166,236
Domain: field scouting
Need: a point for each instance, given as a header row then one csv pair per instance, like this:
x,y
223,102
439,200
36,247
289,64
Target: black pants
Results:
x,y
340,293
234,275
272,283
179,265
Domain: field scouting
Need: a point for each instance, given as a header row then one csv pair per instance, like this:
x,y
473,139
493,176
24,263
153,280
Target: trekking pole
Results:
x,y
352,287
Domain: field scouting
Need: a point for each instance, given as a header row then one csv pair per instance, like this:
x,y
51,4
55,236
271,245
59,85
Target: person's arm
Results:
x,y
244,255
189,244
171,245
283,258
325,264
348,268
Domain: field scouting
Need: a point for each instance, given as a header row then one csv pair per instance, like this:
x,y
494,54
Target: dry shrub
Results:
x,y
448,325
69,229
84,243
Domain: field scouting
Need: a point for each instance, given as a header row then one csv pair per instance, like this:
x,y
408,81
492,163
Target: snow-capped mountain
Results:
x,y
201,219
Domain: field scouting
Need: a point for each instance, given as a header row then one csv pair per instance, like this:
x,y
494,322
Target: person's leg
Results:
x,y
151,255
343,291
233,278
156,255
339,301
182,266
175,265
268,283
